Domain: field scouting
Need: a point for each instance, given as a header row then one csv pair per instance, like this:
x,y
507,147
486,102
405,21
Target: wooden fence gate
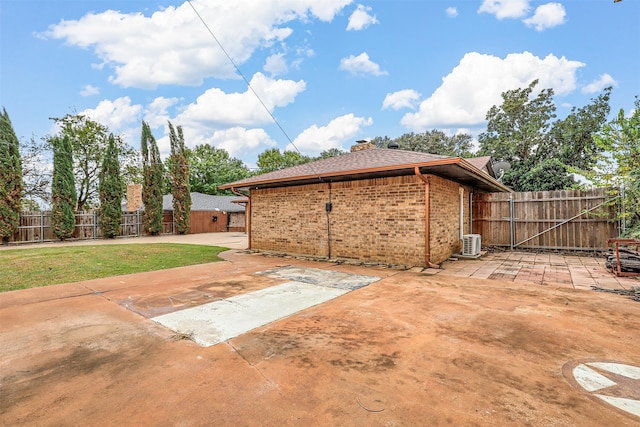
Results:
x,y
563,220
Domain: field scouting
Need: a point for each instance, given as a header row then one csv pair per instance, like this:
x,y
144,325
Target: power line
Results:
x,y
243,77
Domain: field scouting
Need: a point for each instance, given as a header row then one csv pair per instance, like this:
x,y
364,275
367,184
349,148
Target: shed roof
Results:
x,y
374,163
206,202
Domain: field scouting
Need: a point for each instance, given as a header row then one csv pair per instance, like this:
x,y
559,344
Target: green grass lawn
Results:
x,y
28,268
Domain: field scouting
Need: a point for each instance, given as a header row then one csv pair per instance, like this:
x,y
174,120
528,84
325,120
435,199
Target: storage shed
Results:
x,y
212,213
380,205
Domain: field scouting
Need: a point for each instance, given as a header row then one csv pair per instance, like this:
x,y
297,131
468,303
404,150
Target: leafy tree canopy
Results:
x,y
211,167
111,190
521,131
36,174
153,180
11,184
180,188
89,141
433,142
63,191
331,152
273,159
619,162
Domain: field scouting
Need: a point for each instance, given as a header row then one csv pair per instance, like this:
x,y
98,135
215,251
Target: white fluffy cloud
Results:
x,y
90,90
172,46
276,64
338,133
116,114
598,85
476,83
239,141
216,106
360,65
360,19
451,12
156,114
406,98
546,16
505,8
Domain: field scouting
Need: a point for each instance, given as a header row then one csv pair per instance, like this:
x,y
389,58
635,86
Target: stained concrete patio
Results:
x,y
409,349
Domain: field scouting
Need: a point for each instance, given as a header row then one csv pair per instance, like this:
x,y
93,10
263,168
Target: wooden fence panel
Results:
x,y
36,226
540,219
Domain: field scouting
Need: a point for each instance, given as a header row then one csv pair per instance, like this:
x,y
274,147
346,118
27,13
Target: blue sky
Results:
x,y
330,71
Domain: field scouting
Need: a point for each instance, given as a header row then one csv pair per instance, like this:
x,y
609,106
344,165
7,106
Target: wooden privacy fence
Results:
x,y
564,220
36,226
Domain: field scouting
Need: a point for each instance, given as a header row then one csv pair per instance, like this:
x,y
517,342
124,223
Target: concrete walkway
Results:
x,y
232,240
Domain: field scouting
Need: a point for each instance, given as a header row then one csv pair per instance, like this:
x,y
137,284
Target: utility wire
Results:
x,y
243,76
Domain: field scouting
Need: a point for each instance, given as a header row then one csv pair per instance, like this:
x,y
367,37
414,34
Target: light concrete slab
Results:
x,y
318,276
218,321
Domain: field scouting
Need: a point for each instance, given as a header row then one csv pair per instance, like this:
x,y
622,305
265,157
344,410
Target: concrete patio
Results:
x,y
567,271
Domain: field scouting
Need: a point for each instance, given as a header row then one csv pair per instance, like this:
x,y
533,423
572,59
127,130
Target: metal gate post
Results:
x,y
511,221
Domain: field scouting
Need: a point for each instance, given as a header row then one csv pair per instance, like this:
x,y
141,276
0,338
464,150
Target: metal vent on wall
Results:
x,y
471,244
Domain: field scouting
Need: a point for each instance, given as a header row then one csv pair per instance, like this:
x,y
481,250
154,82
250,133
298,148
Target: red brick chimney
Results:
x,y
362,145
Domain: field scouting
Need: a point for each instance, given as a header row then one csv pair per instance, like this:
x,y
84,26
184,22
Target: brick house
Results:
x,y
380,205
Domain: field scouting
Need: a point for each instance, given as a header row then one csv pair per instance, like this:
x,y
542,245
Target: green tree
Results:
x,y
11,184
436,142
543,154
180,188
89,141
619,141
517,127
273,159
153,180
36,174
331,152
549,174
571,140
432,142
210,167
111,190
63,189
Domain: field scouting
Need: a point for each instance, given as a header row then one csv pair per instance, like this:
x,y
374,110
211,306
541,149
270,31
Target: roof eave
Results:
x,y
451,161
322,176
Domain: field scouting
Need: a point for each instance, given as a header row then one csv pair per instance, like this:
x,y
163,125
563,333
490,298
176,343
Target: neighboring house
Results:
x,y
208,213
380,205
212,213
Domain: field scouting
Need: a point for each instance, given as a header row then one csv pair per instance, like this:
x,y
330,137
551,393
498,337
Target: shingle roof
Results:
x,y
206,202
373,162
481,163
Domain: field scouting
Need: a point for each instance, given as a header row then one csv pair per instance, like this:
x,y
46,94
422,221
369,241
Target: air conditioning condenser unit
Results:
x,y
471,244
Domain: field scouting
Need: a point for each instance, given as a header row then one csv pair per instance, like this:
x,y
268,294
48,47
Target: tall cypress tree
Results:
x,y
10,179
111,191
152,181
180,187
63,189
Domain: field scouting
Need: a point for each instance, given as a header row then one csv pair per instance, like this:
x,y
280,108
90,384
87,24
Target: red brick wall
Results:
x,y
290,219
380,220
444,212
